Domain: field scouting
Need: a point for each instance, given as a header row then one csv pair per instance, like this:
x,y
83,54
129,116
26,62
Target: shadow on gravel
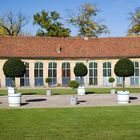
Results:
x,y
22,104
81,101
36,100
90,92
133,98
28,93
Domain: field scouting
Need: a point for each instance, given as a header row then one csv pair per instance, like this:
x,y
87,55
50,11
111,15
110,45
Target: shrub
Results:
x,y
14,67
48,80
111,80
124,68
80,70
73,84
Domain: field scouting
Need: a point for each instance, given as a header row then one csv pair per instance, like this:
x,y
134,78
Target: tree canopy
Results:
x,y
85,20
50,24
135,23
11,24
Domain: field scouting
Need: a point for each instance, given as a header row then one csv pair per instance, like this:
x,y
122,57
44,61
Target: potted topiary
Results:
x,y
48,92
80,70
111,80
73,84
124,68
13,68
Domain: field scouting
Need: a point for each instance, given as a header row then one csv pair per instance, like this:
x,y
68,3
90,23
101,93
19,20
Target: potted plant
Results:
x,y
124,68
111,80
80,70
73,84
13,68
48,92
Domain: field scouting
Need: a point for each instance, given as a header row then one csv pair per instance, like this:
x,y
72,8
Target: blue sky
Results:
x,y
114,12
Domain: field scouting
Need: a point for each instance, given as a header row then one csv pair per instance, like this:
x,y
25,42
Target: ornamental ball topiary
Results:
x,y
48,80
124,68
14,67
73,84
80,70
111,80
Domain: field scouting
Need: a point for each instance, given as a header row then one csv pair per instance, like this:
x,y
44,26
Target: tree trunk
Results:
x,y
13,83
123,84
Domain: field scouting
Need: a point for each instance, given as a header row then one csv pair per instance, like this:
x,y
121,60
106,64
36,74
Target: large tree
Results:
x,y
85,20
12,23
50,25
135,23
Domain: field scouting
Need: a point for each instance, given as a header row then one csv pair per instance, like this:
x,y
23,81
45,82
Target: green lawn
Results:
x,y
67,91
90,123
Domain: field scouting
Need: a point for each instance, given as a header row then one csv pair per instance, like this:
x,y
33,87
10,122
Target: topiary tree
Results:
x,y
14,67
124,68
111,80
80,70
73,84
48,80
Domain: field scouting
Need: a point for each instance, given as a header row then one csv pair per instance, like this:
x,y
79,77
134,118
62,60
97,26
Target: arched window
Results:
x,y
24,81
106,73
93,73
38,74
65,73
52,73
134,80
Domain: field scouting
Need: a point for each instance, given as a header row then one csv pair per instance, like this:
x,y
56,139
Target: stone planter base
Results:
x,y
73,101
123,97
112,91
81,91
14,100
11,90
48,92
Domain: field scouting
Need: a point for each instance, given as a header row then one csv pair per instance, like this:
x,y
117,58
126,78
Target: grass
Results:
x,y
91,123
57,91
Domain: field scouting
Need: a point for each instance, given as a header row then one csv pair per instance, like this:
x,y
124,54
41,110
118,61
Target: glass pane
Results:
x,y
41,65
54,65
90,72
90,81
95,81
104,73
95,73
109,65
136,64
63,65
91,65
36,65
36,73
50,65
68,73
104,65
49,73
95,65
136,72
40,73
109,72
54,73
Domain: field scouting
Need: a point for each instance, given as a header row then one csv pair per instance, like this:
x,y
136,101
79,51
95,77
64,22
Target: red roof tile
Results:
x,y
41,47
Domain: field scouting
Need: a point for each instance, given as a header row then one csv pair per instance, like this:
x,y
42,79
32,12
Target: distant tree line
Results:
x,y
51,23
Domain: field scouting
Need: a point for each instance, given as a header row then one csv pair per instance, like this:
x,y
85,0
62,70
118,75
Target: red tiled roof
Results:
x,y
41,47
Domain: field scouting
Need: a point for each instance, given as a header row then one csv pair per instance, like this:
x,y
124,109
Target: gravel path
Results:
x,y
44,101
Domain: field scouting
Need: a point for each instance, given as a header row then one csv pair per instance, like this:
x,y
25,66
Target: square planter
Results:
x,y
123,97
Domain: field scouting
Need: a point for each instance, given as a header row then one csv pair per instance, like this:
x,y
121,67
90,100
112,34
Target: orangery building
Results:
x,y
56,57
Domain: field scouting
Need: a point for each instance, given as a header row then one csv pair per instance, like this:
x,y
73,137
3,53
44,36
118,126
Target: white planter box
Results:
x,y
73,101
123,97
14,100
81,90
11,90
48,92
112,91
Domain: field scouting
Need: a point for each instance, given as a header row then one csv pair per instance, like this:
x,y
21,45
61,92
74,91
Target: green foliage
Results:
x,y
73,84
50,26
135,23
14,67
80,70
124,68
111,80
48,80
85,20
